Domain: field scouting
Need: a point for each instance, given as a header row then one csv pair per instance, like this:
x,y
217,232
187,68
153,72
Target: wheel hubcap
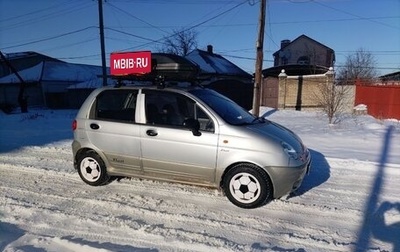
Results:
x,y
245,188
90,169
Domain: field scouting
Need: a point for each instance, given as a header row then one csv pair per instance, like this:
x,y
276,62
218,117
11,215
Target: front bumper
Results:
x,y
288,179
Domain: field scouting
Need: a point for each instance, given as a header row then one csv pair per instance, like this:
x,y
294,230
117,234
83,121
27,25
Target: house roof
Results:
x,y
55,71
24,55
391,76
294,70
302,37
60,71
214,64
31,74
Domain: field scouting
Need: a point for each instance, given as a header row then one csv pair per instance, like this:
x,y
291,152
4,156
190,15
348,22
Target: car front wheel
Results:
x,y
92,169
247,186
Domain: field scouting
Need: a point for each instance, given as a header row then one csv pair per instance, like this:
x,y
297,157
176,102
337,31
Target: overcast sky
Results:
x,y
68,29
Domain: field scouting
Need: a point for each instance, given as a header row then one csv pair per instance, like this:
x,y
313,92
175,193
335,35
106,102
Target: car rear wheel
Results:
x,y
92,169
247,186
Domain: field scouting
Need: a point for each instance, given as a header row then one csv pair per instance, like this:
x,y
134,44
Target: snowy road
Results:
x,y
343,205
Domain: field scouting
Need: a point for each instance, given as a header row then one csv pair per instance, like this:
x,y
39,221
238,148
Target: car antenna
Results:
x,y
119,83
160,81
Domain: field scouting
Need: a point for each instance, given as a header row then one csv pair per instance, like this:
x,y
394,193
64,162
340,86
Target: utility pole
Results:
x,y
102,45
259,59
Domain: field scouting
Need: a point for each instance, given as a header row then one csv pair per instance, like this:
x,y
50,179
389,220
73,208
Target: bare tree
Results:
x,y
332,100
331,97
181,43
360,65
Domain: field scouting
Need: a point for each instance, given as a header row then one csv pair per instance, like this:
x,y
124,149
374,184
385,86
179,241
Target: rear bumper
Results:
x,y
76,146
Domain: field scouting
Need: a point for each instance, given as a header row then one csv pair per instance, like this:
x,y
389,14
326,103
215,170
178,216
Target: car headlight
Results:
x,y
289,150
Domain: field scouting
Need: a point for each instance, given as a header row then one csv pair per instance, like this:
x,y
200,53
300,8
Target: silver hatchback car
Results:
x,y
193,135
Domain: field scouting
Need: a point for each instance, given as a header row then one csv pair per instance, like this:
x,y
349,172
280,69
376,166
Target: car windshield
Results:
x,y
231,112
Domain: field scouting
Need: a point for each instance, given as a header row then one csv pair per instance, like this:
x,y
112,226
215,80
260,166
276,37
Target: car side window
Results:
x,y
172,109
163,108
206,124
116,105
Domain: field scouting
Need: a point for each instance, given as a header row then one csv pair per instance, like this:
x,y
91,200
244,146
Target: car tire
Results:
x,y
247,186
92,170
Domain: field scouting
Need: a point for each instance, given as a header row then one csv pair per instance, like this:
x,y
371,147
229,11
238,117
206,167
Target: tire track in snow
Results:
x,y
29,199
58,205
158,214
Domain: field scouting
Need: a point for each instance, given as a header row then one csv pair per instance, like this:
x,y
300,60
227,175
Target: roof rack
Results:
x,y
166,69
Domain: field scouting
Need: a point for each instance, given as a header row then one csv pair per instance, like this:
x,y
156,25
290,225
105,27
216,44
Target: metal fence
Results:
x,y
383,101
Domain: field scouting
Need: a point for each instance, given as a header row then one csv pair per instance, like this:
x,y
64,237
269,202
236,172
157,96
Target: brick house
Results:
x,y
304,51
305,63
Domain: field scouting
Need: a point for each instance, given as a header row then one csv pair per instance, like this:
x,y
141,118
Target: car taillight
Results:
x,y
74,125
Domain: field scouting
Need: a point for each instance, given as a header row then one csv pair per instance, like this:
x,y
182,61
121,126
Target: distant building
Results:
x,y
48,81
304,51
302,56
300,67
215,66
23,60
218,73
391,79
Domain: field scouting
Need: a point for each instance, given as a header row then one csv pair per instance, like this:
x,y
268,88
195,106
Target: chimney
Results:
x,y
210,49
284,43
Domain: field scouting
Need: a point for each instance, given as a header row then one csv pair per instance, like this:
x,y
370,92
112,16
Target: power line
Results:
x,y
30,21
245,58
64,46
203,23
190,27
336,20
33,12
136,18
354,15
183,2
50,38
218,15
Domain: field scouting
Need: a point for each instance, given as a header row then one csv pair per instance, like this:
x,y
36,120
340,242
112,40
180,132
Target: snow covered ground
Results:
x,y
349,202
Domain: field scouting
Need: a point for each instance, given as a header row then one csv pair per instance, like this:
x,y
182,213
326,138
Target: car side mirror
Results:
x,y
193,125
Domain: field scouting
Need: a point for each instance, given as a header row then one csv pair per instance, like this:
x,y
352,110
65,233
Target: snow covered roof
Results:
x,y
24,55
211,63
31,74
55,71
92,83
69,72
391,76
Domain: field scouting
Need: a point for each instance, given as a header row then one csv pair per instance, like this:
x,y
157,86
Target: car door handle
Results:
x,y
94,126
151,133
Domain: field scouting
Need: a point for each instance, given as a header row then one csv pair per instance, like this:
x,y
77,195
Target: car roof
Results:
x,y
174,88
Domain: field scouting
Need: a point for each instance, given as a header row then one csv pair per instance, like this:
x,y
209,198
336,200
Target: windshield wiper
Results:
x,y
255,120
259,119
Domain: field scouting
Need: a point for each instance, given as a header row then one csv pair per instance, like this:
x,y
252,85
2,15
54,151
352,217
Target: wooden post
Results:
x,y
102,44
259,60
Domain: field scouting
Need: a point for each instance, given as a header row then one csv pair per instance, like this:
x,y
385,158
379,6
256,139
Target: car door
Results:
x,y
112,129
171,151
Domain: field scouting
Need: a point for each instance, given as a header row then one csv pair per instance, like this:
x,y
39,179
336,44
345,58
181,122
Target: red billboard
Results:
x,y
125,63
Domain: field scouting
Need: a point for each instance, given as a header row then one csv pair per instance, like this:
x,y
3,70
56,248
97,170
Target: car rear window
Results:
x,y
116,105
